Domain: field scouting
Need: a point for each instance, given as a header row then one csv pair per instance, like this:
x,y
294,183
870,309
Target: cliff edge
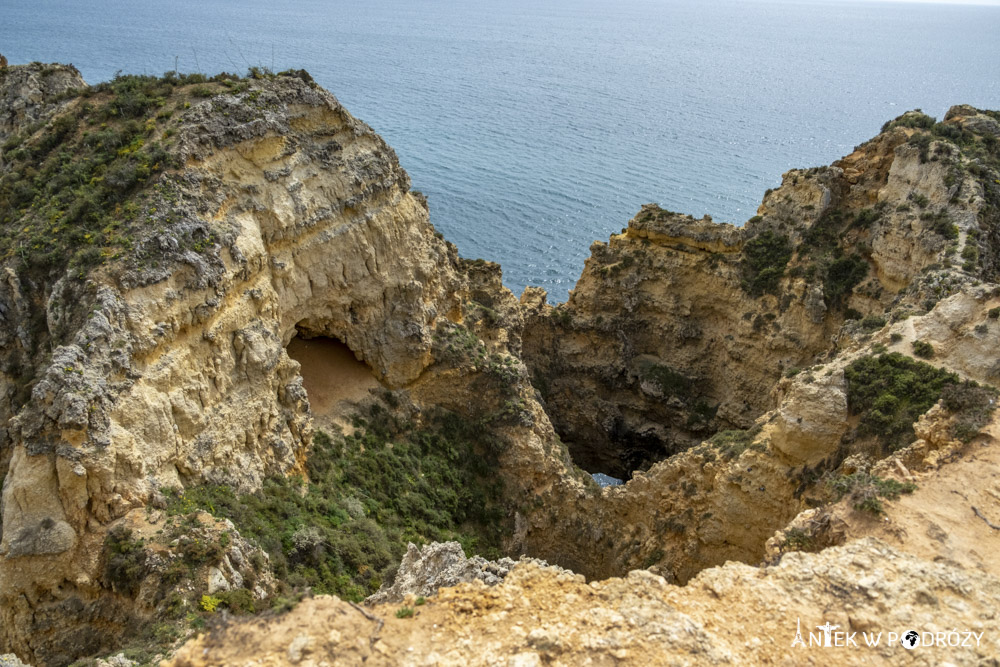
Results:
x,y
239,367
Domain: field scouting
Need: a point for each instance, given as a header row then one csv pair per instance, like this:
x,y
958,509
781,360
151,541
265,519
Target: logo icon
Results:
x,y
910,640
827,629
798,634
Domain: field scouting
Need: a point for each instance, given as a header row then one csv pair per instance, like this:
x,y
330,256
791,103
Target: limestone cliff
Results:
x,y
166,365
152,289
679,327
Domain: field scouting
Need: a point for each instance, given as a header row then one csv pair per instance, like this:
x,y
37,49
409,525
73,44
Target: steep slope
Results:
x,y
679,327
267,211
164,240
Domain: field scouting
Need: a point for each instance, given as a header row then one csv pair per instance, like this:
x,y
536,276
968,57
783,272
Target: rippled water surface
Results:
x,y
537,127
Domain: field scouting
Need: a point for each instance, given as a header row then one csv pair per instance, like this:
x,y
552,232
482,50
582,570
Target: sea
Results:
x,y
535,128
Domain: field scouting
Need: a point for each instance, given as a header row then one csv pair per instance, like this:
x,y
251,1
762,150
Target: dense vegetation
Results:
x,y
890,391
765,257
65,194
368,495
839,273
68,185
343,532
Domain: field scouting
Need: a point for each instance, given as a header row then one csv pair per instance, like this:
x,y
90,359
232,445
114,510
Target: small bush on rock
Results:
x,y
889,392
866,491
764,260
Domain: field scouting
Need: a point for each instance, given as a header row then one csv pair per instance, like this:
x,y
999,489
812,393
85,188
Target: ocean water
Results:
x,y
535,128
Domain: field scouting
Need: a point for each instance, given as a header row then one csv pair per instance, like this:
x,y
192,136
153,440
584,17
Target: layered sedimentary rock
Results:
x,y
706,363
675,328
287,217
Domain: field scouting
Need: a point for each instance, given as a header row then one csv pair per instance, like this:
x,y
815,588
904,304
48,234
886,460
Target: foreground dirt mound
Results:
x,y
734,614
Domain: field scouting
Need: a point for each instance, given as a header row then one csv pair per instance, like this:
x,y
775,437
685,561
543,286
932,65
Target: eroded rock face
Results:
x,y
178,374
735,614
30,93
680,327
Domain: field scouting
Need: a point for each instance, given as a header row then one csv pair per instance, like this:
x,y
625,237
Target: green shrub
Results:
x,y
125,564
764,260
940,223
873,323
994,313
889,392
922,142
865,491
972,406
842,276
923,349
895,337
732,443
953,133
368,495
912,119
797,539
868,217
669,381
824,234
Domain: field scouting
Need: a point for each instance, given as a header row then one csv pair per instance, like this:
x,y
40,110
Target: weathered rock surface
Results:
x,y
427,569
670,334
735,614
31,93
285,216
179,372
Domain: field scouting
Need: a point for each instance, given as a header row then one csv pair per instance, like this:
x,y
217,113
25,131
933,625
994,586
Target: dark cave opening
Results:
x,y
620,455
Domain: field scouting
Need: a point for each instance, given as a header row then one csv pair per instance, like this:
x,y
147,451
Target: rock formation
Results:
x,y
286,217
434,566
31,93
734,375
736,614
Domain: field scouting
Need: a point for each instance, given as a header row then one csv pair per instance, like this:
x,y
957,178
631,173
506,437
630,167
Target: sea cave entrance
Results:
x,y
334,378
613,460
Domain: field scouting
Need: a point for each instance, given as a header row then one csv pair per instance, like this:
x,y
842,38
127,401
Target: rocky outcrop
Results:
x,y
434,566
735,614
680,327
707,363
287,217
31,93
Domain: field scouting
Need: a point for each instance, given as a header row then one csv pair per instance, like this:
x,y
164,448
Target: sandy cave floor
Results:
x,y
333,378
